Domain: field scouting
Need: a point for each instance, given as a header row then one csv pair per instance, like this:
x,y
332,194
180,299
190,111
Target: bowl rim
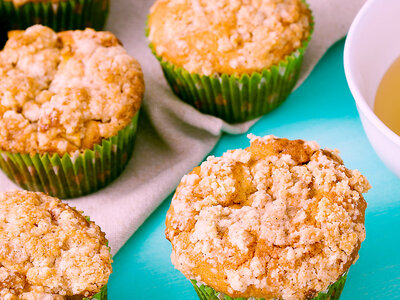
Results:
x,y
358,97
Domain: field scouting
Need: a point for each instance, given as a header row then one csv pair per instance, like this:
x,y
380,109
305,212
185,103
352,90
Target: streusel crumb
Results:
x,y
65,92
228,36
49,250
279,220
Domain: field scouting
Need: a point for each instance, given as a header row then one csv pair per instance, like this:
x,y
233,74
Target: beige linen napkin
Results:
x,y
173,137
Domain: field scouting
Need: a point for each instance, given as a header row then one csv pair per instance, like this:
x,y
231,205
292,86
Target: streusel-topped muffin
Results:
x,y
228,36
67,93
48,250
234,59
279,220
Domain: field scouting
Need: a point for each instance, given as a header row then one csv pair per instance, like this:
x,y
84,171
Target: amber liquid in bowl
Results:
x,y
387,100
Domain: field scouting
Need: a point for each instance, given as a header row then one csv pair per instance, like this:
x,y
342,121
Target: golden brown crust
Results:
x,y
65,92
281,219
227,36
49,249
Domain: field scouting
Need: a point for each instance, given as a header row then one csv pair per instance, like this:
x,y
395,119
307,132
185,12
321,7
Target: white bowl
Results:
x,y
372,45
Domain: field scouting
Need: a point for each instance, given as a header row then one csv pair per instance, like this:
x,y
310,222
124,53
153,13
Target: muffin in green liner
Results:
x,y
69,110
57,14
281,219
332,293
50,250
236,62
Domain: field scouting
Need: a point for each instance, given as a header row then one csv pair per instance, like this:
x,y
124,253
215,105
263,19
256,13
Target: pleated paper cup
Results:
x,y
58,15
236,98
332,293
71,176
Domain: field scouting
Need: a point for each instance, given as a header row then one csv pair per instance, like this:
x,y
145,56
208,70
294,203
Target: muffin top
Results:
x,y
49,250
65,92
227,36
281,219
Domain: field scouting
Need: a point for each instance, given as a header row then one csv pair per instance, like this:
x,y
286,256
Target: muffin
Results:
x,y
281,219
234,59
49,250
57,14
69,106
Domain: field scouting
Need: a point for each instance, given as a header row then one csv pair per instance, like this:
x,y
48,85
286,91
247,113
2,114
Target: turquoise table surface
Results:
x,y
322,109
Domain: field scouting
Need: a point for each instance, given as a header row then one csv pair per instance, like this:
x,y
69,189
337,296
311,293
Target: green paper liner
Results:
x,y
332,293
72,176
102,295
236,98
63,15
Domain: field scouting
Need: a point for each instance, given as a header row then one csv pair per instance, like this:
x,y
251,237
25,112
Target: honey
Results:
x,y
387,100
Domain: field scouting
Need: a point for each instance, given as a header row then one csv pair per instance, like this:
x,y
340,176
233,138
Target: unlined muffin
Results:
x,y
235,59
57,14
69,104
49,250
278,220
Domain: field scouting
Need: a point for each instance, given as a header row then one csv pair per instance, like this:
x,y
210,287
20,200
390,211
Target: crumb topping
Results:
x,y
65,92
228,36
279,220
49,250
